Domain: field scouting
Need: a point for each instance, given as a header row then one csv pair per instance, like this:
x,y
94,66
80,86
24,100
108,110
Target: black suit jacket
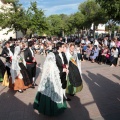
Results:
x,y
60,67
5,51
59,61
28,55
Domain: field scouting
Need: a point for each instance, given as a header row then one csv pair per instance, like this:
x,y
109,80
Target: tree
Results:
x,y
70,28
18,19
55,25
10,17
78,22
38,23
112,8
94,14
64,23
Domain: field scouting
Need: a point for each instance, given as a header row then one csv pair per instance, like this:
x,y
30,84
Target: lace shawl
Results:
x,y
15,69
50,84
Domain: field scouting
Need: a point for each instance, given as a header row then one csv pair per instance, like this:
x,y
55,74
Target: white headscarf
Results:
x,y
50,84
68,55
15,69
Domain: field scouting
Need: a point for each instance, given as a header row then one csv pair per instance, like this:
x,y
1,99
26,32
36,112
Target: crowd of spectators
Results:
x,y
102,51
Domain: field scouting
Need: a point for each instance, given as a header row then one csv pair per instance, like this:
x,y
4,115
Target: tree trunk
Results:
x,y
78,33
93,30
16,34
30,35
63,33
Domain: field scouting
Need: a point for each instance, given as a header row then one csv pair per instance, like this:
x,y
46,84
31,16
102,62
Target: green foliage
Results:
x,y
112,8
78,20
55,24
10,17
93,13
33,20
16,18
37,19
112,27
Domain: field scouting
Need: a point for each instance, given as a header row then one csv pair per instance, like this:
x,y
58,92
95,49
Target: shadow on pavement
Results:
x,y
106,95
12,108
118,77
78,110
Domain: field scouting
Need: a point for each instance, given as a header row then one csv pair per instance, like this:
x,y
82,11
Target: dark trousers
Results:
x,y
63,80
114,61
8,71
31,71
102,58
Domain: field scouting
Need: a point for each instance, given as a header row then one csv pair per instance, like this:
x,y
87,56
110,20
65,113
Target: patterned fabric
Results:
x,y
74,80
50,84
15,69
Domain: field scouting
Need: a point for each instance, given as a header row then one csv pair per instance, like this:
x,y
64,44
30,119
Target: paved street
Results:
x,y
99,99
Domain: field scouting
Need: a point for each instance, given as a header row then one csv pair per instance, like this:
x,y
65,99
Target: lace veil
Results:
x,y
50,84
15,69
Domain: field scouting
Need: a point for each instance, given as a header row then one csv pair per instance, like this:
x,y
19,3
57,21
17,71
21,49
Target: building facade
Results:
x,y
3,32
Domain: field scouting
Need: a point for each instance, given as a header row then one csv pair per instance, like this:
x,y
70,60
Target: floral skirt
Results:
x,y
46,106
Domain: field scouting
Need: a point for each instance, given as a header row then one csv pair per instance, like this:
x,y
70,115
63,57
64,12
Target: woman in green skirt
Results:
x,y
49,97
74,79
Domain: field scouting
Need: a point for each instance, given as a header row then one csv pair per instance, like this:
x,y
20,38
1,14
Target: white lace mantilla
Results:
x,y
15,69
50,84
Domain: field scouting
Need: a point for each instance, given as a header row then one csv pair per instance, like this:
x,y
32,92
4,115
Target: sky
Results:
x,y
55,6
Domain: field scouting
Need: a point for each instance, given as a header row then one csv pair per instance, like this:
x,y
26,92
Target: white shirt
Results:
x,y
105,42
10,53
96,43
82,41
60,54
112,44
32,52
87,42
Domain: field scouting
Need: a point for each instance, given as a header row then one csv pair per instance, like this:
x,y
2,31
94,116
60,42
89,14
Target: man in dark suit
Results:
x,y
62,62
8,50
30,63
7,53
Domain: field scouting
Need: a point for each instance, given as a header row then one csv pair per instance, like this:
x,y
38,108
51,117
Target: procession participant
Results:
x,y
17,82
49,98
62,62
74,82
7,53
30,63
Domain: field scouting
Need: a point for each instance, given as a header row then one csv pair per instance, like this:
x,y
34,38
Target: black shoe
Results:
x,y
32,86
35,84
67,99
72,94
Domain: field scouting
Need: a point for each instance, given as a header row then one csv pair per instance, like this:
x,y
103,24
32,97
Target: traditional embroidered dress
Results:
x,y
49,98
17,82
74,80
